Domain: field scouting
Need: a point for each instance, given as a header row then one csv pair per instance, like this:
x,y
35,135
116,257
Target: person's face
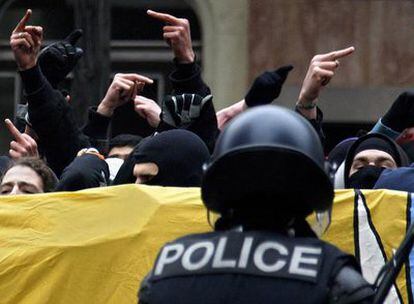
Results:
x,y
120,152
21,180
372,158
145,172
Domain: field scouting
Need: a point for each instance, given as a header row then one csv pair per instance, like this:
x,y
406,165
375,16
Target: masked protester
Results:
x,y
265,177
368,157
171,158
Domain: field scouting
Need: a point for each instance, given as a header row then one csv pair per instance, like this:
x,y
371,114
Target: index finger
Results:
x,y
13,130
163,17
139,78
338,54
22,23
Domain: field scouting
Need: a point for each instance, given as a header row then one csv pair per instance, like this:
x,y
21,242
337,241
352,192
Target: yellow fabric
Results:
x,y
388,212
95,246
91,246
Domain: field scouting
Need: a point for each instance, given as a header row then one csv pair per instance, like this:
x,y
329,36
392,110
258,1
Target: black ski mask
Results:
x,y
365,178
179,155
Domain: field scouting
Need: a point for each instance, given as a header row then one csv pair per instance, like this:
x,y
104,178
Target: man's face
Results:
x,y
21,180
372,158
144,172
120,152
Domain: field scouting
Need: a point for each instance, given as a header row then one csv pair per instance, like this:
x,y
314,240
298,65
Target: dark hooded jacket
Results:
x,y
401,179
179,155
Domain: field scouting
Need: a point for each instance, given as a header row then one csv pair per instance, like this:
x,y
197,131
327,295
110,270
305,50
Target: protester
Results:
x,y
28,176
51,116
122,145
367,158
171,158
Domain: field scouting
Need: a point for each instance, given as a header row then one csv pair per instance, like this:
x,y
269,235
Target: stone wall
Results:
x,y
382,32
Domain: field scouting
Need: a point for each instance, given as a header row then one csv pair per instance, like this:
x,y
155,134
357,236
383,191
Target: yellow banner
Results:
x,y
95,246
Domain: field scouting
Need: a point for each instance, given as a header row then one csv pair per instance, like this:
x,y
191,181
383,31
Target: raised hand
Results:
x,y
123,89
321,70
59,59
225,115
182,110
267,86
22,145
177,34
148,109
25,43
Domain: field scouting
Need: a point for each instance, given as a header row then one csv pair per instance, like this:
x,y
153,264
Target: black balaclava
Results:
x,y
367,176
179,155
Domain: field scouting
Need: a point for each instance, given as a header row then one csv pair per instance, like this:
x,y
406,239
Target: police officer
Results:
x,y
266,175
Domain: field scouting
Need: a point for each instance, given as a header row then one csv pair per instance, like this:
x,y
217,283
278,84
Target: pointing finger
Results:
x,y
20,26
343,53
13,130
139,78
163,17
337,54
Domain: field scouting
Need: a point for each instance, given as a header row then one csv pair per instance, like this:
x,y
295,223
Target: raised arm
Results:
x,y
186,77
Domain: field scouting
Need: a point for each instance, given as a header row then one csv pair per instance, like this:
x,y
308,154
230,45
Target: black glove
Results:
x,y
58,59
181,110
401,114
193,113
267,87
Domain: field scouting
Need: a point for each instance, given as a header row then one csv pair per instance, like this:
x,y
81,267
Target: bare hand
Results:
x,y
22,145
25,43
148,109
321,70
177,35
123,89
225,115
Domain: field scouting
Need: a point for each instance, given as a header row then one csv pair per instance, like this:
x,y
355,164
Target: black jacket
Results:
x,y
52,118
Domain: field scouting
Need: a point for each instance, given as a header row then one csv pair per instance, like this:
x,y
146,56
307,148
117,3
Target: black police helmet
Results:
x,y
265,155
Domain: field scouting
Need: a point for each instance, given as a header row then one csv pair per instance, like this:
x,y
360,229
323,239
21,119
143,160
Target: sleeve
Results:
x,y
86,171
348,286
96,129
381,128
186,79
316,123
53,120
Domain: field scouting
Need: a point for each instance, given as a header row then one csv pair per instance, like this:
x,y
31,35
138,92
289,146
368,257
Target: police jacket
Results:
x,y
252,267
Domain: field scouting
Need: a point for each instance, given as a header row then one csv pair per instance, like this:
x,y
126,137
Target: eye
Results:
x,y
5,191
28,192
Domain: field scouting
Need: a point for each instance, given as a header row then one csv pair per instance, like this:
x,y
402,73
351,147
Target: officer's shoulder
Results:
x,y
195,237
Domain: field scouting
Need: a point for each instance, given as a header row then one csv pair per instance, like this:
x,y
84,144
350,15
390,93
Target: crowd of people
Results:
x,y
247,158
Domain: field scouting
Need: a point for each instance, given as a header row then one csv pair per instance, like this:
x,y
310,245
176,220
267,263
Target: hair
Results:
x,y
48,177
123,140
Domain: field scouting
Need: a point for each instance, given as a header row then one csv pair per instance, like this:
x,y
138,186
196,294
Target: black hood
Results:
x,y
179,155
